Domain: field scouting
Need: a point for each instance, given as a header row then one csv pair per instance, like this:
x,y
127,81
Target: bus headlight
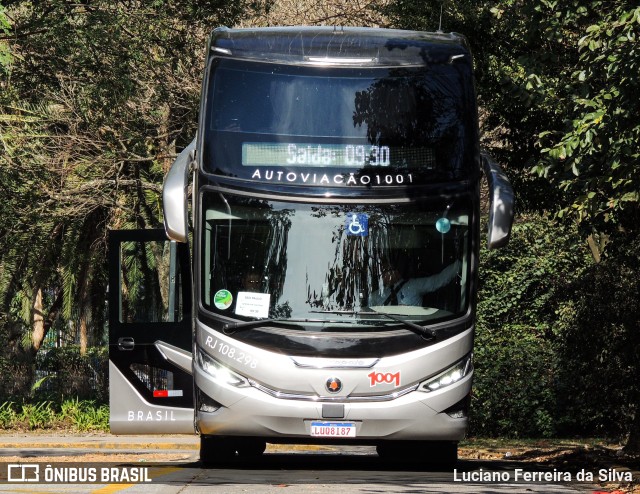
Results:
x,y
452,375
219,372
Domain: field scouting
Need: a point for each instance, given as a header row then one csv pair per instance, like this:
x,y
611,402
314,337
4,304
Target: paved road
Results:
x,y
282,469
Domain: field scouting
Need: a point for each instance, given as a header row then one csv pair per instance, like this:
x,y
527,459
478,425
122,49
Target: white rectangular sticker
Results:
x,y
253,304
333,429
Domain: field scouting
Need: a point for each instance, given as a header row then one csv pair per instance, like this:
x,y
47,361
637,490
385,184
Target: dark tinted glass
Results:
x,y
417,119
334,262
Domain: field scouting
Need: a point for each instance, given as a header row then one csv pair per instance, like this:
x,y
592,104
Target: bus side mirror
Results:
x,y
501,203
174,195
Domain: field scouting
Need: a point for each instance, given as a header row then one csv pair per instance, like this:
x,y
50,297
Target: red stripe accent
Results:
x,y
160,393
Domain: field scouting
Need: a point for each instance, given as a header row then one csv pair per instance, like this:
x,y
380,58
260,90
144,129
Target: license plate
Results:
x,y
333,429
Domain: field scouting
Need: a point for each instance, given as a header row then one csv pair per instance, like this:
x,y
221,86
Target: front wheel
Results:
x,y
249,447
216,450
429,454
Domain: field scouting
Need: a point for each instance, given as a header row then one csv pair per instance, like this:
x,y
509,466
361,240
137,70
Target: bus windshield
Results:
x,y
330,263
262,117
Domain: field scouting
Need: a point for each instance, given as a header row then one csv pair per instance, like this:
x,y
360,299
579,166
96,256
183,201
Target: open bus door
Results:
x,y
150,375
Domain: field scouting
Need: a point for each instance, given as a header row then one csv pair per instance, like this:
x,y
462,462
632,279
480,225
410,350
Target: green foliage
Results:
x,y
21,381
513,394
39,383
8,415
85,415
78,415
522,281
37,416
100,97
69,409
57,374
5,52
557,347
600,348
594,156
516,365
76,375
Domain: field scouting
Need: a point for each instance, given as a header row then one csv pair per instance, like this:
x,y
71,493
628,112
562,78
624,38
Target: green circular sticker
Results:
x,y
223,299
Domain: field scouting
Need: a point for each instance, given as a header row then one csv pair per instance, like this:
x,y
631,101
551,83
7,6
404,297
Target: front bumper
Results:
x,y
247,411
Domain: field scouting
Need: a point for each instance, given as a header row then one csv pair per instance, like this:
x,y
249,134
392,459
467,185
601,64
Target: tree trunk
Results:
x,y
85,309
38,326
83,334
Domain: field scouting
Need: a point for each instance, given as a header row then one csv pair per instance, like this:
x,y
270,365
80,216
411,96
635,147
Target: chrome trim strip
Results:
x,y
341,61
329,197
316,398
224,51
177,356
334,363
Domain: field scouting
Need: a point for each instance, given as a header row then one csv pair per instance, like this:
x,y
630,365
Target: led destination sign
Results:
x,y
334,155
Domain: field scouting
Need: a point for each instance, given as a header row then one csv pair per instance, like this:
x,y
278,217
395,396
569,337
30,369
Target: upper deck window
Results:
x,y
262,118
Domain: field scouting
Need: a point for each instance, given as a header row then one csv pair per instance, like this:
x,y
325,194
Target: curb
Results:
x,y
106,442
99,446
128,444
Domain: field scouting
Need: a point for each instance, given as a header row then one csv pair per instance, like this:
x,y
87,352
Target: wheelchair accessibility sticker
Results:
x,y
357,224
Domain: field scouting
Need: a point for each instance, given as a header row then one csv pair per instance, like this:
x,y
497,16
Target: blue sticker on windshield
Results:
x,y
357,224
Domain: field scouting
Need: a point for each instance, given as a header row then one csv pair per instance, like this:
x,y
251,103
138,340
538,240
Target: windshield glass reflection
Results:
x,y
406,120
335,263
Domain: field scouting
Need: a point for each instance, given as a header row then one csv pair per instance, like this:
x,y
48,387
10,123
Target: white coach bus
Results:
x,y
316,278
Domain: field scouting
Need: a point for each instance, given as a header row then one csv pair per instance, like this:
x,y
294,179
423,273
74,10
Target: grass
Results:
x,y
81,416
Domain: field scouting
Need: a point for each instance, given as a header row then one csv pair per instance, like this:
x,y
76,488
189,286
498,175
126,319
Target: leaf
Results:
x,y
574,169
630,197
39,382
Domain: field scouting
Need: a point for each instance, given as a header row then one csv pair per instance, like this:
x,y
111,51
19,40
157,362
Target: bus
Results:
x,y
315,281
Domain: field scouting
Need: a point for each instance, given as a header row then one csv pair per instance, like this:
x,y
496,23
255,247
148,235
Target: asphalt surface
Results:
x,y
170,447
304,469
321,469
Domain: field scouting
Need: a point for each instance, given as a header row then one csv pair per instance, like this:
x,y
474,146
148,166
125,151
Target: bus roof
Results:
x,y
340,46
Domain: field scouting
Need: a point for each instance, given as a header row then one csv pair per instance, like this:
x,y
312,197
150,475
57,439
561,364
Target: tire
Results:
x,y
442,454
428,454
250,448
216,450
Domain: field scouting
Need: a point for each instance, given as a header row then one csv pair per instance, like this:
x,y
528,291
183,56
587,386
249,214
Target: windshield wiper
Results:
x,y
339,312
230,327
416,328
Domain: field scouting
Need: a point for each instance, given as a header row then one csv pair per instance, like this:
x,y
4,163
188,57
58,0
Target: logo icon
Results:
x,y
23,473
357,224
223,299
334,385
380,378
